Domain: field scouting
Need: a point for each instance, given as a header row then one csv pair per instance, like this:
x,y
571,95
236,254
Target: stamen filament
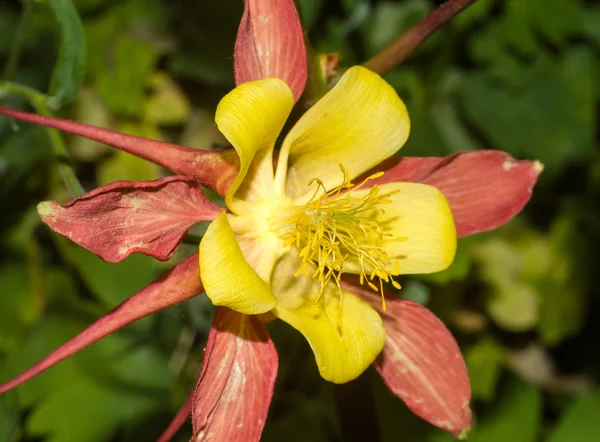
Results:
x,y
335,226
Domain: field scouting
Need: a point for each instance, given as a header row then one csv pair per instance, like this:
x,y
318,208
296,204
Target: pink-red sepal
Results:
x,y
182,282
421,362
116,220
270,44
485,188
234,391
215,169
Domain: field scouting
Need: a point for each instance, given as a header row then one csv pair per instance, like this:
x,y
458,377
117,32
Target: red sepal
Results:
x,y
116,220
180,284
215,169
485,188
234,391
421,362
270,44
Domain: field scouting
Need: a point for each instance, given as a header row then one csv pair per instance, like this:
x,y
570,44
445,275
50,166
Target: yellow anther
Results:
x,y
335,226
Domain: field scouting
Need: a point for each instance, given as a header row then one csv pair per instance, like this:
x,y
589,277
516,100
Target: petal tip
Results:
x,y
463,434
270,43
228,279
46,209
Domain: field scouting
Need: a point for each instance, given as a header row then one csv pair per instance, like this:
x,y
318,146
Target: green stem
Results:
x,y
17,44
38,101
399,50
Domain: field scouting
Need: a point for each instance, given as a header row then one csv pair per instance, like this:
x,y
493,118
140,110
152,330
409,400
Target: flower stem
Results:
x,y
17,43
38,101
403,46
358,419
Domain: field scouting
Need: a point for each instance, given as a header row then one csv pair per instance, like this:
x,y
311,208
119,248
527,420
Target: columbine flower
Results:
x,y
420,361
293,232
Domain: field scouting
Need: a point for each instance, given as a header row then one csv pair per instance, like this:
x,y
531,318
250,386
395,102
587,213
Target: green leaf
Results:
x,y
389,20
125,166
484,361
556,20
167,104
9,418
89,109
309,11
110,282
122,84
591,18
579,422
90,408
549,117
475,13
8,24
458,270
414,290
513,303
19,304
212,72
69,71
565,285
88,396
20,152
525,28
515,417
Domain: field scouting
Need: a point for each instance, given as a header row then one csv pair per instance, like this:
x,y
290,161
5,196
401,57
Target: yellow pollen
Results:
x,y
334,226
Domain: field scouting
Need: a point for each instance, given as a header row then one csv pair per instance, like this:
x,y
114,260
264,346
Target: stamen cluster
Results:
x,y
334,226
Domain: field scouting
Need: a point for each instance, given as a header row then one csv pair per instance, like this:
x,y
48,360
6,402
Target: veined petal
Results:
x,y
345,336
359,123
420,216
421,362
227,277
345,341
422,365
270,44
235,388
125,217
251,117
485,188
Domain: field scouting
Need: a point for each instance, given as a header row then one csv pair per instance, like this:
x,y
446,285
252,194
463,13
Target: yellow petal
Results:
x,y
345,337
421,214
227,277
251,117
359,123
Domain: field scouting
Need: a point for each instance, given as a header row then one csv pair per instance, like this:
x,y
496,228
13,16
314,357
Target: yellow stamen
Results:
x,y
333,226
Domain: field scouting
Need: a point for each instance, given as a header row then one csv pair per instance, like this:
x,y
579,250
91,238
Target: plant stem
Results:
x,y
38,101
403,46
19,38
356,410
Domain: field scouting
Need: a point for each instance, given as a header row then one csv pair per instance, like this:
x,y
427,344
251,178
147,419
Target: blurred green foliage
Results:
x,y
520,76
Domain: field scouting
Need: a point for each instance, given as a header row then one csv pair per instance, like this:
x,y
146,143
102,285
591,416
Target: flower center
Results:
x,y
337,228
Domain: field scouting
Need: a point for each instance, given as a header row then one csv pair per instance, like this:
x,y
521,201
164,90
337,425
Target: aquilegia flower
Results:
x,y
420,361
313,241
292,233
